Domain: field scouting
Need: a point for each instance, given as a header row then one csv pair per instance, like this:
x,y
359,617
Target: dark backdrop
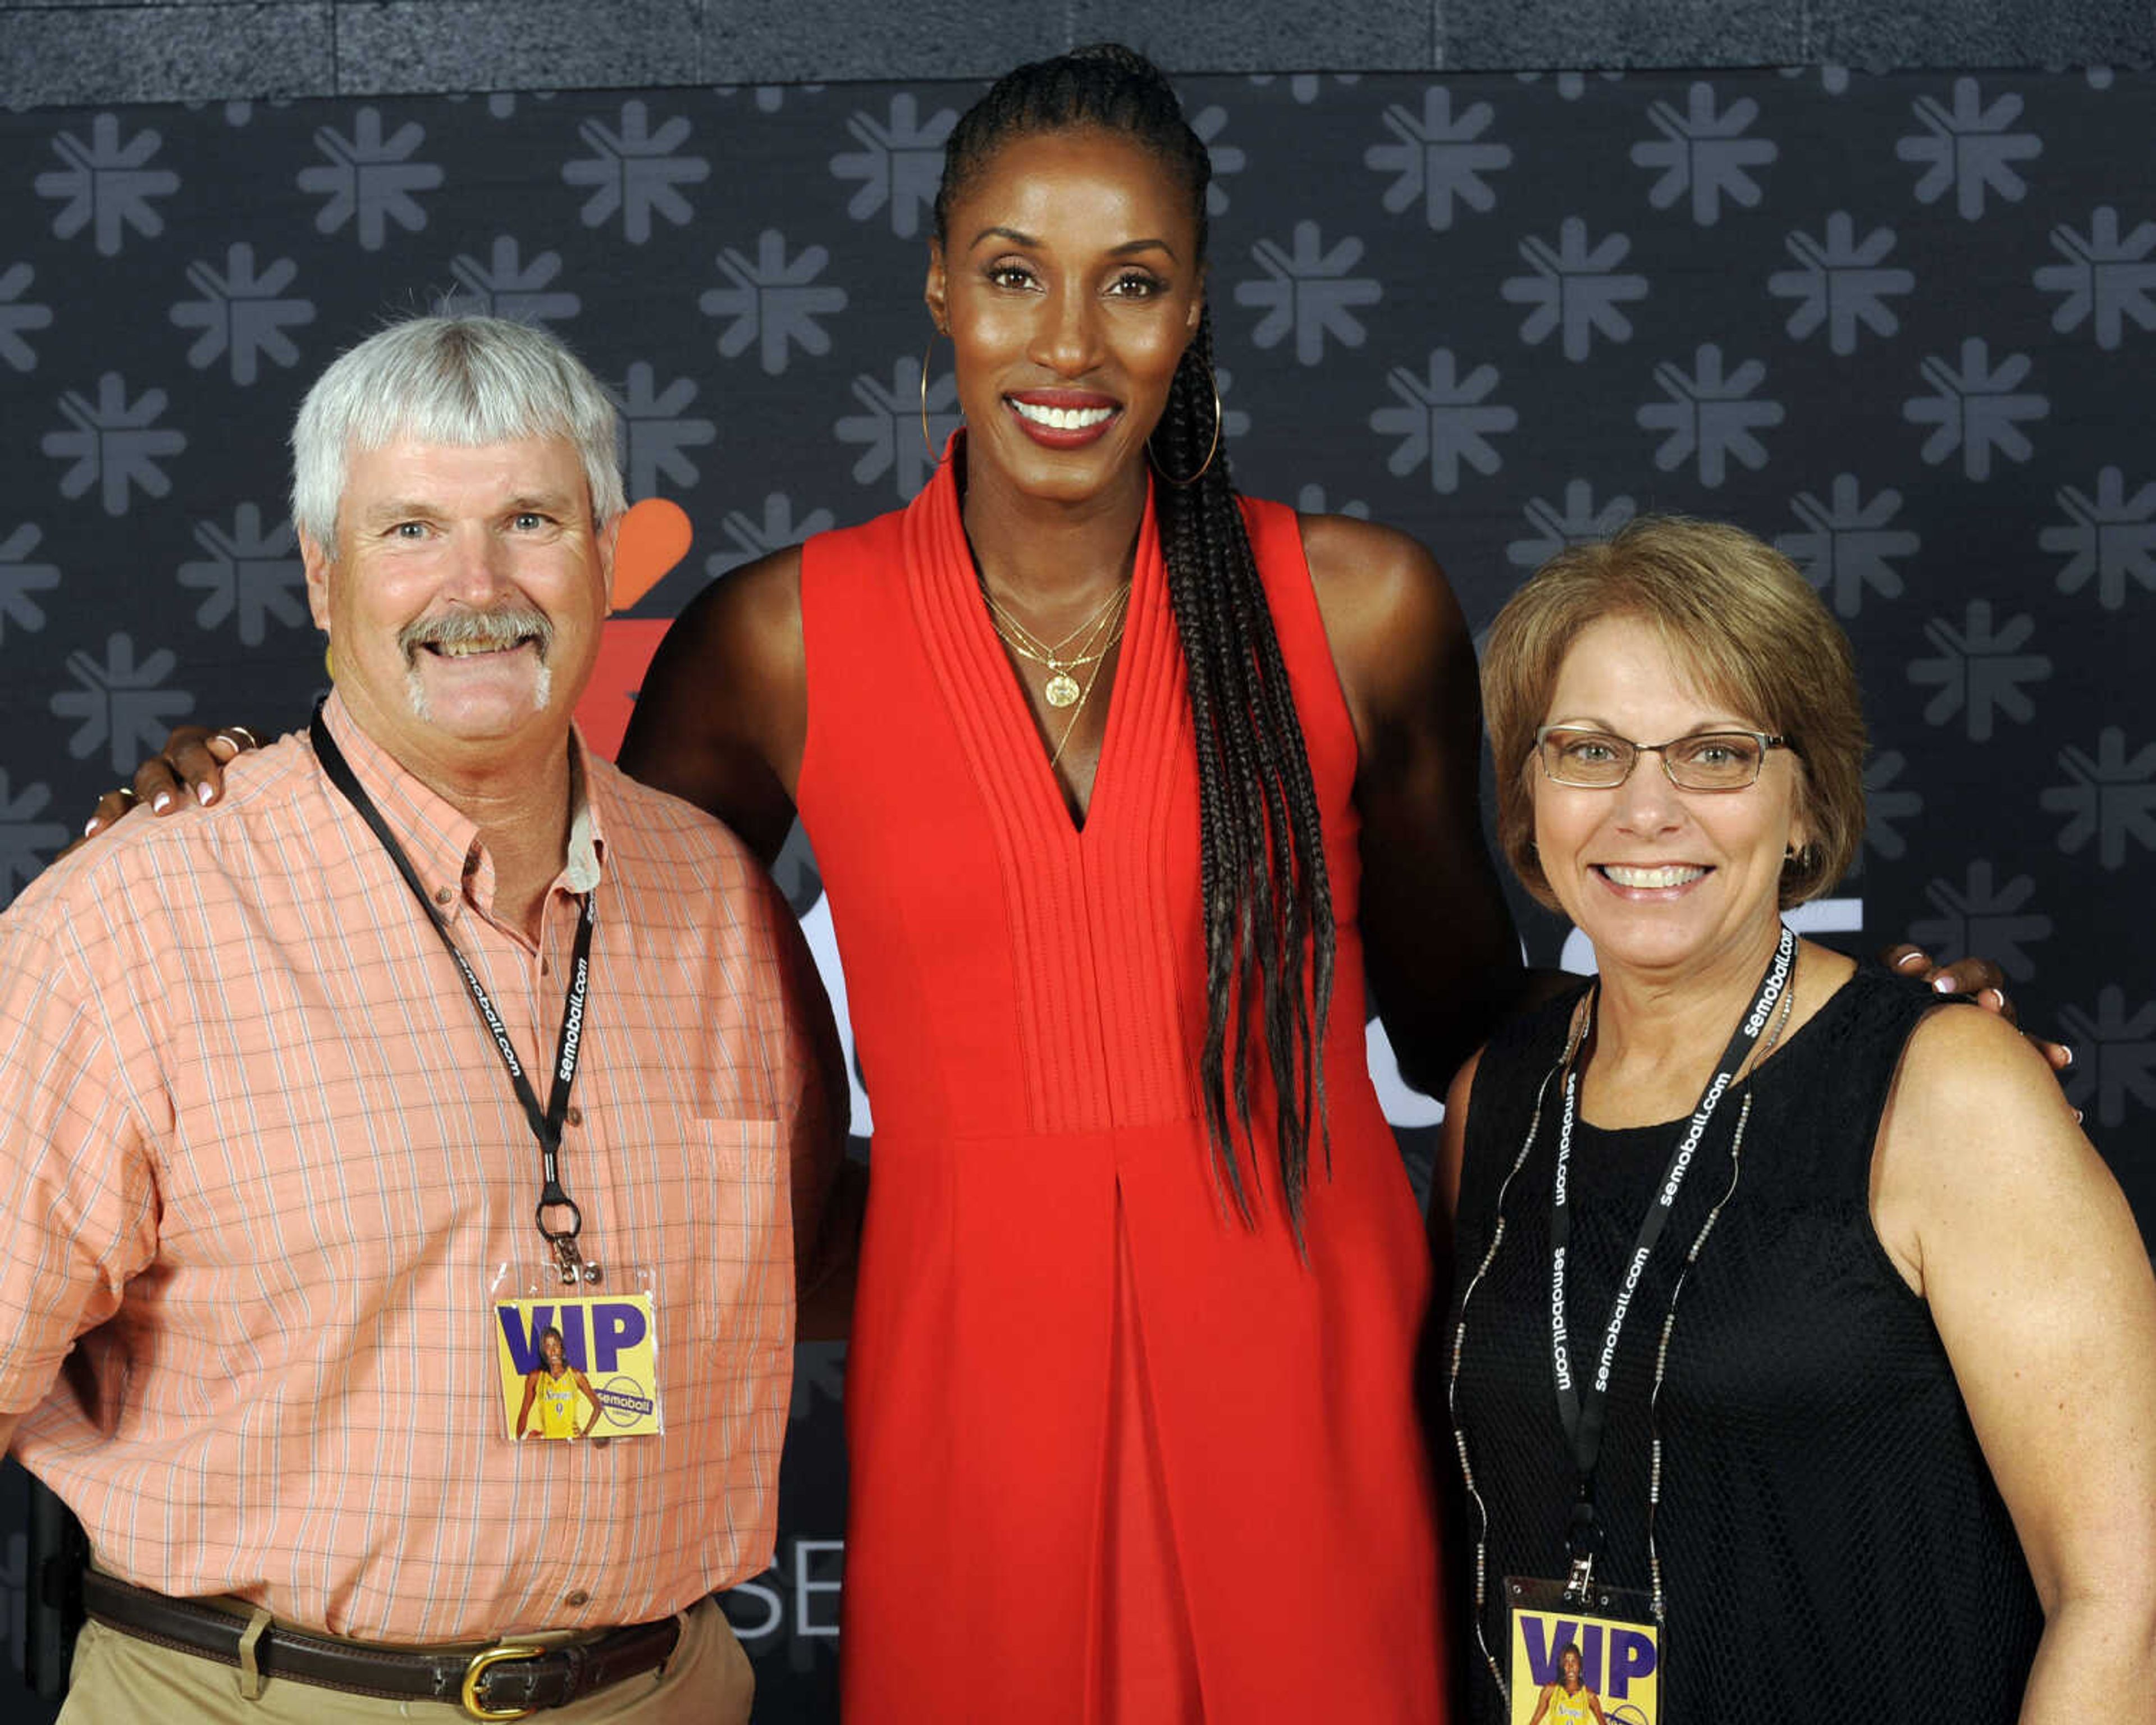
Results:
x,y
1901,325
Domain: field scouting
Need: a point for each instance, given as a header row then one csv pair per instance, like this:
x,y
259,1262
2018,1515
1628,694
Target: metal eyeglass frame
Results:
x,y
1766,740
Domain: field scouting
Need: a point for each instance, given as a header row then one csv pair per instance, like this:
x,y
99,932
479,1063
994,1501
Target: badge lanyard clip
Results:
x,y
1583,1542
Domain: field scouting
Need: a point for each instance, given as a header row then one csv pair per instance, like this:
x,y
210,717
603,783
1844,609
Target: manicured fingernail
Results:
x,y
1944,984
161,801
203,794
90,827
2069,1055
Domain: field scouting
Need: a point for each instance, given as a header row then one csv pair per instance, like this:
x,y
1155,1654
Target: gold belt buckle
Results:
x,y
484,1661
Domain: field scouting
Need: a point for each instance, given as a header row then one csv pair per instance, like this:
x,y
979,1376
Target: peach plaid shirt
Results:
x,y
260,1160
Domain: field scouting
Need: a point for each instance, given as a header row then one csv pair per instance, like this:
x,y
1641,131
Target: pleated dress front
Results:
x,y
1116,1454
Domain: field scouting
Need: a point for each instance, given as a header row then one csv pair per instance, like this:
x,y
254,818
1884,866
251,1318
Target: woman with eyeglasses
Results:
x,y
1791,1305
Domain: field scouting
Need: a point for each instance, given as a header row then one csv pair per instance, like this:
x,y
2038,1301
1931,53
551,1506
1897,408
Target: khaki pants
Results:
x,y
118,1680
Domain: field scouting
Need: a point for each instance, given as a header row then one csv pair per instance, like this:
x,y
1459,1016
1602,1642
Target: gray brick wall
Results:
x,y
98,51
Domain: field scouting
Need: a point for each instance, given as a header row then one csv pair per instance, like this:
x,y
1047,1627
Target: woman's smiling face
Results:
x,y
1069,283
1665,882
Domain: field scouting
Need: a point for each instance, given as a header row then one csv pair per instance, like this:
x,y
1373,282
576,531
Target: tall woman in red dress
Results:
x,y
1123,787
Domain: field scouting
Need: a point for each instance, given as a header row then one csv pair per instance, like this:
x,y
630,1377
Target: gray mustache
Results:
x,y
484,629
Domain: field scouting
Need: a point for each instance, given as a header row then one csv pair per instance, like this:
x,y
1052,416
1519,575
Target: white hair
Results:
x,y
461,381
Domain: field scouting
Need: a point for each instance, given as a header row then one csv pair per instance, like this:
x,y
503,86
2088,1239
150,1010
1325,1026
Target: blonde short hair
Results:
x,y
1741,618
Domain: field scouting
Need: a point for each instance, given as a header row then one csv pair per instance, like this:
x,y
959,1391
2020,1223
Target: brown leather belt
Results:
x,y
503,1681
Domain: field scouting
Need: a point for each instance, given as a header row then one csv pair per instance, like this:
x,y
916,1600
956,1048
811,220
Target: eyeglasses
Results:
x,y
1705,761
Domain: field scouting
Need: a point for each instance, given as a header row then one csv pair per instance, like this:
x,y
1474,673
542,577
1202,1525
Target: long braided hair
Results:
x,y
1268,930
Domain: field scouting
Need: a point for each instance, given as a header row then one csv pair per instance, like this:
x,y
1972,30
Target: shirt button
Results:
x,y
575,1117
579,1597
443,894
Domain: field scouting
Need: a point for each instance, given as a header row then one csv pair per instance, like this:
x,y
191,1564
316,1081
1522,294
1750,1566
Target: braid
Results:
x,y
1268,905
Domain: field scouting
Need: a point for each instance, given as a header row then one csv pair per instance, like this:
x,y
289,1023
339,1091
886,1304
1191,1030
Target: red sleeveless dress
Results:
x,y
1115,1455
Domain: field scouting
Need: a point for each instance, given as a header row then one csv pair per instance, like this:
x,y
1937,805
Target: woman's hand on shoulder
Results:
x,y
722,717
1438,946
2003,1215
189,766
1979,978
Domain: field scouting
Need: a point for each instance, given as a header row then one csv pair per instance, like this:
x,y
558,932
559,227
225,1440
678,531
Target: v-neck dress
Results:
x,y
1116,1454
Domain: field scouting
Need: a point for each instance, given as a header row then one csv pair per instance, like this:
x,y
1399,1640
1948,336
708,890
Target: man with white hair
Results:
x,y
321,1107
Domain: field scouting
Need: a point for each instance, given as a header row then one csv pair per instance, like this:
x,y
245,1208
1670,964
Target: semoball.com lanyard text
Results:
x,y
546,1123
1628,1625
1585,1410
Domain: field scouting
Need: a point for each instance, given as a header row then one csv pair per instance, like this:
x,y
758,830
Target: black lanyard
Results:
x,y
546,1123
1585,1410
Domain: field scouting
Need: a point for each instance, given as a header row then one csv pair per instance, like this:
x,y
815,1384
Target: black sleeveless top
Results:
x,y
1832,1545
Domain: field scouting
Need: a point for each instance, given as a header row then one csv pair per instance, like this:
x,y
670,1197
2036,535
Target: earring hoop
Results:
x,y
1184,485
927,442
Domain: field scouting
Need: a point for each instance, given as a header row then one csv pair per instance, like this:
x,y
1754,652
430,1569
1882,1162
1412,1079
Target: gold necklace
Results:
x,y
1084,695
1062,689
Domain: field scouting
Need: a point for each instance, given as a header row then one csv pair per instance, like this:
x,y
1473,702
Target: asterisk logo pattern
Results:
x,y
899,164
1968,148
114,443
1979,669
506,286
1308,291
1575,287
1443,419
1983,917
17,315
1208,123
888,427
1704,152
634,173
242,315
1886,802
2112,538
1438,161
1976,408
253,575
2109,797
1578,520
773,302
1311,500
20,578
1848,545
1709,415
27,844
657,432
119,705
751,537
2107,279
1841,284
2115,1055
107,184
1306,87
370,179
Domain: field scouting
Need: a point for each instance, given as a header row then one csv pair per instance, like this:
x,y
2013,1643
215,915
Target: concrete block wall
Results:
x,y
102,51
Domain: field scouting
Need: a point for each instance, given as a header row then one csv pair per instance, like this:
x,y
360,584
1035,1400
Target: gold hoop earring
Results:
x,y
927,442
1184,485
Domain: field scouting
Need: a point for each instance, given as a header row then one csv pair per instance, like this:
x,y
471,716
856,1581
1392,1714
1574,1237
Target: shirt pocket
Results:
x,y
726,1220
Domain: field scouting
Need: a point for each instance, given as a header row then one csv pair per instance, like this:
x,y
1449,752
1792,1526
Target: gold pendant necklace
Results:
x,y
1062,689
